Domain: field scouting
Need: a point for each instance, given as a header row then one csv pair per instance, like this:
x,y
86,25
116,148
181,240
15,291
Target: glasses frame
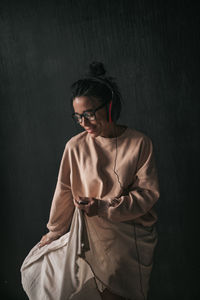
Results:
x,y
83,114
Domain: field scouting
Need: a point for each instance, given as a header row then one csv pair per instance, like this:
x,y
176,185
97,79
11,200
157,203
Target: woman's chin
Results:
x,y
93,133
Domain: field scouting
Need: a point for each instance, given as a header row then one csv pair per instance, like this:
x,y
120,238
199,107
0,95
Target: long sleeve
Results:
x,y
62,206
141,195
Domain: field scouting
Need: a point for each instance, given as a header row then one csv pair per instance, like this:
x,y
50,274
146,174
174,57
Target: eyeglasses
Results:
x,y
88,114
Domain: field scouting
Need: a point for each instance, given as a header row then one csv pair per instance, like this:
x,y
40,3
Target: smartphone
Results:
x,y
83,202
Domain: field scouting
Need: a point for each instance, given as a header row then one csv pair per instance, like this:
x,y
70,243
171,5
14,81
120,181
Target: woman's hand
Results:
x,y
91,206
48,238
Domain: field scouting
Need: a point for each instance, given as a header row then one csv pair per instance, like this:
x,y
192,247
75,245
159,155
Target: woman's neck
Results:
x,y
114,130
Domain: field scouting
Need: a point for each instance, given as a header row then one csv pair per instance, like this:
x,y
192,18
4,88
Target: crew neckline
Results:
x,y
112,139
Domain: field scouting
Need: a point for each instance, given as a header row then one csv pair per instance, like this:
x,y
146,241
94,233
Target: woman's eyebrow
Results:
x,y
91,109
88,110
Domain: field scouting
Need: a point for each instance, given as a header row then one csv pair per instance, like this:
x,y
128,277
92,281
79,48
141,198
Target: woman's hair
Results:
x,y
96,85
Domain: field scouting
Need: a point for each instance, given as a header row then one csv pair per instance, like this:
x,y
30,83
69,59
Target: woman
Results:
x,y
103,203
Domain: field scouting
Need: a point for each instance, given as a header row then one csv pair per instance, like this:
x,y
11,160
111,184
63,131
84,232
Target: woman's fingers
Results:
x,y
48,238
44,241
81,202
88,205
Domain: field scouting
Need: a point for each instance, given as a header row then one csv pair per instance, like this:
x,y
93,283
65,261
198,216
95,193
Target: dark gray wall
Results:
x,y
152,48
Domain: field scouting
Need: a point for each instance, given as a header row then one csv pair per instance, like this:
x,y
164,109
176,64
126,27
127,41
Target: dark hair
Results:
x,y
96,84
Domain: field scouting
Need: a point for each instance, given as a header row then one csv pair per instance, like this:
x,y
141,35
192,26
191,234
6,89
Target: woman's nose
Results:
x,y
84,121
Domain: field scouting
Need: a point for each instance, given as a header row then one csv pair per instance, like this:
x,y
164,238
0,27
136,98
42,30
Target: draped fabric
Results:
x,y
68,267
57,271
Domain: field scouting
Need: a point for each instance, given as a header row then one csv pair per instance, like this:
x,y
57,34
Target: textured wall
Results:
x,y
152,48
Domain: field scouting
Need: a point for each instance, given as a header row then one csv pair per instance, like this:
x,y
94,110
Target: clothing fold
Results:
x,y
90,258
57,271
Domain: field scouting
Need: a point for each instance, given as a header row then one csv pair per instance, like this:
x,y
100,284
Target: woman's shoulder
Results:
x,y
132,135
76,140
136,134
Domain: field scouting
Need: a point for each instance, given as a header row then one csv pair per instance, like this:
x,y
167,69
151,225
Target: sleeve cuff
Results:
x,y
103,206
53,235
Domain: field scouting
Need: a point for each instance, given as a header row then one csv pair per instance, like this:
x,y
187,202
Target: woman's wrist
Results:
x,y
103,206
52,235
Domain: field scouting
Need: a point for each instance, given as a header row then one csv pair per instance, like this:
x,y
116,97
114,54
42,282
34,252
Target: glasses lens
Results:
x,y
76,118
89,115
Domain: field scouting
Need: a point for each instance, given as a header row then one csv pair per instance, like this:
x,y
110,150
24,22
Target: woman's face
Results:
x,y
98,127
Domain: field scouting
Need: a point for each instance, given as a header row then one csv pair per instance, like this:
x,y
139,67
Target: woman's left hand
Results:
x,y
91,206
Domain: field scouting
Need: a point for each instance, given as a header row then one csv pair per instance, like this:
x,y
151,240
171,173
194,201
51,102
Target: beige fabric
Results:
x,y
123,258
57,271
61,270
124,228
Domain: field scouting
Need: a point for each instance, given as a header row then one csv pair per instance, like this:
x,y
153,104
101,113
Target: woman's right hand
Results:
x,y
48,238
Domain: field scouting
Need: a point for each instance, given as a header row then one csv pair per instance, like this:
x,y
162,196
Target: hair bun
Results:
x,y
96,69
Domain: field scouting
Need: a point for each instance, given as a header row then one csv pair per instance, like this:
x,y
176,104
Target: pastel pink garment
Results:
x,y
124,228
87,170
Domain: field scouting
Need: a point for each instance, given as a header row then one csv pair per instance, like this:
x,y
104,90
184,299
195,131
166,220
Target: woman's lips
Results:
x,y
90,130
